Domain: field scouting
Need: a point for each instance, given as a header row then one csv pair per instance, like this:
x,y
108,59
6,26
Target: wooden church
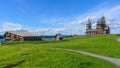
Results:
x,y
101,27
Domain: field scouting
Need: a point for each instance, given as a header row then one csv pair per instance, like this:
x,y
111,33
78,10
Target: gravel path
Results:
x,y
118,39
112,60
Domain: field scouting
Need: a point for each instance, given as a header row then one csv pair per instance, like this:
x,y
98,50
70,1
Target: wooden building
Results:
x,y
21,36
101,27
58,37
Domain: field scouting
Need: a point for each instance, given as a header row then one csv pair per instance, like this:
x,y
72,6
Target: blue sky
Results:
x,y
57,16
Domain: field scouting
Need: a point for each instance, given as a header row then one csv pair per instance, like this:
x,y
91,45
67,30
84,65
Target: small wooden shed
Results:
x,y
21,36
58,37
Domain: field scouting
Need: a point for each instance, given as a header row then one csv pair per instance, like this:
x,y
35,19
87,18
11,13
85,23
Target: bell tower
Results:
x,y
88,26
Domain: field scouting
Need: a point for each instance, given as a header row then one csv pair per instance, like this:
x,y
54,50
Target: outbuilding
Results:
x,y
58,37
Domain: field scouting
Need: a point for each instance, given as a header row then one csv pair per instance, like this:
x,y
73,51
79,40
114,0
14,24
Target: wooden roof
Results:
x,y
24,34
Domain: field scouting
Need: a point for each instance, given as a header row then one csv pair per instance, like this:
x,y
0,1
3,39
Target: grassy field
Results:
x,y
102,45
36,55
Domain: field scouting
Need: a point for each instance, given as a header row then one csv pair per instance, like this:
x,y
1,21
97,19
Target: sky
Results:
x,y
50,17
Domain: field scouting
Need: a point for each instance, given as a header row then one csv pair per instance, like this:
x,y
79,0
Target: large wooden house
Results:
x,y
21,36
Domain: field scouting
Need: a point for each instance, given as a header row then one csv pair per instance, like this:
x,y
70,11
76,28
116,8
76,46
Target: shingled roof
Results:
x,y
24,34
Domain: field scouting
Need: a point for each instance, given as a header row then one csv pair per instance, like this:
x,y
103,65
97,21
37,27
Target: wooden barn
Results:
x,y
21,36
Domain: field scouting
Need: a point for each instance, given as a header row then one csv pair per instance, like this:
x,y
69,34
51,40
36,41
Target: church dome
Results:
x,y
88,22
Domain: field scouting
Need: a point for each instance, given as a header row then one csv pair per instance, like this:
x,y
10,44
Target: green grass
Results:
x,y
103,45
37,56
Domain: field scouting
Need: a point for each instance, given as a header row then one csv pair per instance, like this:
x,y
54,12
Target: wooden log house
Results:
x,y
21,36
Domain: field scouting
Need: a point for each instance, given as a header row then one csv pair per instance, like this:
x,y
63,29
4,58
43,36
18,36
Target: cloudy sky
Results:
x,y
49,17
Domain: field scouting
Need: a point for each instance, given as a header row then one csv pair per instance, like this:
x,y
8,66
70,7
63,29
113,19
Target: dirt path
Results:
x,y
112,60
118,39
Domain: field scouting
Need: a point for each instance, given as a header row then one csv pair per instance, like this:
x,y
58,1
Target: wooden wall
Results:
x,y
14,37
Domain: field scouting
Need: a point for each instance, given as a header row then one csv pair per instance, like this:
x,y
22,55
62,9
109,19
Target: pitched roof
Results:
x,y
24,34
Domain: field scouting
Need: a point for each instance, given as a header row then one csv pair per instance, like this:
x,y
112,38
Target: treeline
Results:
x,y
53,36
1,36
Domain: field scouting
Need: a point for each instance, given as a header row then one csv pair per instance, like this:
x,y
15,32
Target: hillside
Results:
x,y
38,54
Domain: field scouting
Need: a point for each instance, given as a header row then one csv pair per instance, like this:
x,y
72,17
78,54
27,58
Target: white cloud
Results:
x,y
9,26
46,31
114,11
